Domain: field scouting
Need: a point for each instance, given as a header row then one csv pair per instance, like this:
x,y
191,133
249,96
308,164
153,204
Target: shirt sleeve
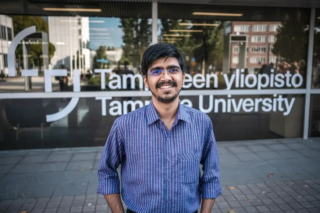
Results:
x,y
210,180
111,158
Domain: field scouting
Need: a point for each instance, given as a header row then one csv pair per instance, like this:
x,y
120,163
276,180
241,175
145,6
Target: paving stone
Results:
x,y
41,205
56,199
262,209
250,209
76,209
53,204
10,160
37,211
284,206
245,203
77,203
83,157
80,197
88,209
63,210
33,159
51,210
274,208
59,157
26,168
234,204
239,149
103,207
316,203
4,169
296,205
306,204
221,205
27,207
68,198
239,210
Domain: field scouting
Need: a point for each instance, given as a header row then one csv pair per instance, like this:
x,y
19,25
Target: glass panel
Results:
x,y
314,124
75,43
219,40
24,126
316,53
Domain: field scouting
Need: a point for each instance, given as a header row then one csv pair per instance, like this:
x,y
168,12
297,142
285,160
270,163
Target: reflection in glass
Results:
x,y
316,53
82,43
220,43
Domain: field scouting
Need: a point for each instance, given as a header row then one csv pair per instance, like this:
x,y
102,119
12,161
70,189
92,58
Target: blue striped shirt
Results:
x,y
160,169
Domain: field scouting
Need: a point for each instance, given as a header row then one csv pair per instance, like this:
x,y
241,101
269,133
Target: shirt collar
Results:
x,y
153,116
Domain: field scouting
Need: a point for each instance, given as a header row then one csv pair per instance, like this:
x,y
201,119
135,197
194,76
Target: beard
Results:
x,y
166,99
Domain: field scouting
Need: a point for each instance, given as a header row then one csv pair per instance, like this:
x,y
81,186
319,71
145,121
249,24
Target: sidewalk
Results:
x,y
257,176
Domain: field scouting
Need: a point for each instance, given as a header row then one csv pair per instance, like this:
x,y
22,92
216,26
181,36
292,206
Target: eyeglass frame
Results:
x,y
179,70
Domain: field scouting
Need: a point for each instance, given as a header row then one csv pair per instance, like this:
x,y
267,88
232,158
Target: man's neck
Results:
x,y
166,111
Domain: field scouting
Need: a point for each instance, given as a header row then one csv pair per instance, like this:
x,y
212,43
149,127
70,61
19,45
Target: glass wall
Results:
x,y
246,69
246,49
314,129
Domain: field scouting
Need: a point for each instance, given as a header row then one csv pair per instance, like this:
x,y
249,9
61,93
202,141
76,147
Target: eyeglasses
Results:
x,y
171,71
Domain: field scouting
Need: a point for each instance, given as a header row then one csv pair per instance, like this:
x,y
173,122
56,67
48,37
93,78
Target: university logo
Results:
x,y
47,75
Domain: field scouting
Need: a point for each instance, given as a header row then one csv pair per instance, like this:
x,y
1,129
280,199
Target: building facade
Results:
x,y
70,35
259,44
253,69
6,35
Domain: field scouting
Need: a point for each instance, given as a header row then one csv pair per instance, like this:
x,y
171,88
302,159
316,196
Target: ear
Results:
x,y
145,80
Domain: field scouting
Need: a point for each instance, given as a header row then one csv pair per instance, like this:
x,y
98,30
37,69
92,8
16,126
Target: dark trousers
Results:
x,y
129,211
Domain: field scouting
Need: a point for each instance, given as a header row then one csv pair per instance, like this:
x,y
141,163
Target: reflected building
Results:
x,y
255,49
6,36
70,35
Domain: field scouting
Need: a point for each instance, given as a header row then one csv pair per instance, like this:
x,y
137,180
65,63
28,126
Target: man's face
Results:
x,y
165,87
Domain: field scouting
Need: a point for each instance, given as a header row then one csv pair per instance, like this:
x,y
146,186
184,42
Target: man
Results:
x,y
160,147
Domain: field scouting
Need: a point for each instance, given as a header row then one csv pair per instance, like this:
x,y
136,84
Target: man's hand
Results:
x,y
114,202
207,205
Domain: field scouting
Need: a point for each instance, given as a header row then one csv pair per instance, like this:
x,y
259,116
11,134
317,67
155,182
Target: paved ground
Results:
x,y
257,176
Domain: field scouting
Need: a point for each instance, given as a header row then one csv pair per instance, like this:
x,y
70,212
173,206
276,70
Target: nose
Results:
x,y
166,75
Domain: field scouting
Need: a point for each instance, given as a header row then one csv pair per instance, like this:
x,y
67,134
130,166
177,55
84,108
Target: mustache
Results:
x,y
169,83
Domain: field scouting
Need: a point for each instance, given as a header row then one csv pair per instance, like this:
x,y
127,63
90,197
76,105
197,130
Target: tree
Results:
x,y
291,41
22,22
136,38
100,54
206,46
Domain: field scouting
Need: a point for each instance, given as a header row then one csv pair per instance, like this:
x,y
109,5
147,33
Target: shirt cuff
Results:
x,y
211,190
109,186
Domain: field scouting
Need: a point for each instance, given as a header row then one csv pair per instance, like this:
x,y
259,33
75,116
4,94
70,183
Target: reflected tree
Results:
x,y
136,39
291,41
204,45
100,54
36,55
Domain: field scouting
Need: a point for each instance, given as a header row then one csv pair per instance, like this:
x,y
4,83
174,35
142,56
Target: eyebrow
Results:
x,y
168,67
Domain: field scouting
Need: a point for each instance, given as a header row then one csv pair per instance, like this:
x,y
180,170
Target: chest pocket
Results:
x,y
189,164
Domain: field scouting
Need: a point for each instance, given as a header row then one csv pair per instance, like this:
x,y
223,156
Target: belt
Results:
x,y
129,211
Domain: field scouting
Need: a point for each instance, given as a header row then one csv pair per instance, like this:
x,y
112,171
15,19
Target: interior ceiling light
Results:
x,y
189,31
198,24
72,9
217,14
319,17
175,35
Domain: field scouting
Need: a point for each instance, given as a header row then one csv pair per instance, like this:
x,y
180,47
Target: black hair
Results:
x,y
161,50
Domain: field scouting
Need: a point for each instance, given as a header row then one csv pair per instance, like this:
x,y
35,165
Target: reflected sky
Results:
x,y
105,32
